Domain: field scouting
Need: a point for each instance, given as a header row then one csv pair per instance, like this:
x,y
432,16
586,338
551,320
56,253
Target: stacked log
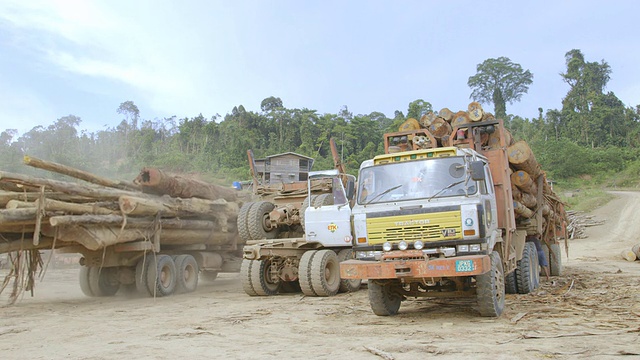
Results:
x,y
106,212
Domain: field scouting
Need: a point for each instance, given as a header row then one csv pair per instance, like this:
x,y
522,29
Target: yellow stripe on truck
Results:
x,y
438,226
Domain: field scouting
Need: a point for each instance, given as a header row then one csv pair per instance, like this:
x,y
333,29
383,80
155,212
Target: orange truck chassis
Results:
x,y
398,265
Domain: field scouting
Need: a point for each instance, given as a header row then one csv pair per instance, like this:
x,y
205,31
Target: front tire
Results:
x,y
261,279
490,288
554,257
348,285
304,272
325,273
383,300
528,272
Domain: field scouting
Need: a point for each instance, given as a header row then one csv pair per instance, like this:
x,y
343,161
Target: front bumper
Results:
x,y
396,267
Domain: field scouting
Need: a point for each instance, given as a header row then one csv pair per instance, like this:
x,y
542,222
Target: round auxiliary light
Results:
x,y
402,245
387,246
418,245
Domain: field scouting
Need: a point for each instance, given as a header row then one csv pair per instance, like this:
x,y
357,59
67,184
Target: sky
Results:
x,y
186,58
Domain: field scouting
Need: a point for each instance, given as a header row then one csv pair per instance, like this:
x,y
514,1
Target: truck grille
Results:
x,y
435,226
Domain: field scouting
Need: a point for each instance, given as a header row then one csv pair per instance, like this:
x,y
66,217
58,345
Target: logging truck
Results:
x,y
311,263
129,236
442,214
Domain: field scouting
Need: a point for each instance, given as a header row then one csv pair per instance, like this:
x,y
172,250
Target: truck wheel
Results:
x,y
103,281
383,300
348,285
490,288
325,273
527,272
259,223
554,258
84,281
510,283
303,208
322,200
243,221
245,275
161,275
187,273
304,272
261,279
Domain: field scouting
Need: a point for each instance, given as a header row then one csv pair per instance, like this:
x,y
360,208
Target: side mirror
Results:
x,y
477,170
351,188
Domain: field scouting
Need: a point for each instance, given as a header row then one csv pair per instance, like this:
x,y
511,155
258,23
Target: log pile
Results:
x,y
39,213
578,222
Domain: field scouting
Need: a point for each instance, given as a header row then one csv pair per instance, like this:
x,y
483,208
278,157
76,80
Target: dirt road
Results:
x,y
592,311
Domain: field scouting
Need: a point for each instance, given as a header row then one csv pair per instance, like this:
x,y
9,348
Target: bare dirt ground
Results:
x,y
592,311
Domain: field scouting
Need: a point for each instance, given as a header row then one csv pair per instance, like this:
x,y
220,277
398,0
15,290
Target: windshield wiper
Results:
x,y
445,188
382,194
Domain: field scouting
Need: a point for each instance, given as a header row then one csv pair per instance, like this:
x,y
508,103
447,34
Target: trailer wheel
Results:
x,y
243,221
304,272
103,281
261,279
84,281
325,273
259,223
187,273
383,300
348,285
554,258
490,288
245,275
510,283
161,275
527,272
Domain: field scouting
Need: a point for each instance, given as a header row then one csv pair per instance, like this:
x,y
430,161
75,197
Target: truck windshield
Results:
x,y
414,180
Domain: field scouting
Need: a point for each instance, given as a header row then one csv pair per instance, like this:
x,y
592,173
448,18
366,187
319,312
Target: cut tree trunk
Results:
x,y
475,111
131,222
522,180
521,157
460,118
173,207
446,114
79,174
439,128
157,181
522,210
427,119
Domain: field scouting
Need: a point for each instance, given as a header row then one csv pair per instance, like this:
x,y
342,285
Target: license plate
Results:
x,y
464,266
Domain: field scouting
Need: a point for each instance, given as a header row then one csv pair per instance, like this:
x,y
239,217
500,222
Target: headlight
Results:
x,y
474,247
387,246
361,254
463,248
402,245
418,245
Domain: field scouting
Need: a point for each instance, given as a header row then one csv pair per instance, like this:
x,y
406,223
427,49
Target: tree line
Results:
x,y
593,132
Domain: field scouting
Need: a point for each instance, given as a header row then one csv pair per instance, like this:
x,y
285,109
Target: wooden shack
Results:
x,y
283,168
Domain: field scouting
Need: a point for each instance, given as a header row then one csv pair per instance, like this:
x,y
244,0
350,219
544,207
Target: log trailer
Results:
x,y
437,217
310,263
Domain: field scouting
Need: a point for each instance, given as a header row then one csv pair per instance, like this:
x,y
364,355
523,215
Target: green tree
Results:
x,y
499,81
417,108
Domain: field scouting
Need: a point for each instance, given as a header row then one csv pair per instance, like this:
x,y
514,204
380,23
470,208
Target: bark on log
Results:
x,y
522,210
173,207
488,117
446,114
5,197
494,139
528,200
521,157
131,222
68,187
522,180
516,193
475,111
156,181
460,118
17,204
54,205
79,174
25,244
99,237
427,119
439,128
409,124
628,255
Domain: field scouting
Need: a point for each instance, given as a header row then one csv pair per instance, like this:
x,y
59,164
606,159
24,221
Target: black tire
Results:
x,y
103,281
304,273
528,271
510,283
325,273
187,273
554,258
161,275
304,207
243,222
322,200
348,285
260,279
490,288
84,281
258,218
383,300
245,275
141,274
